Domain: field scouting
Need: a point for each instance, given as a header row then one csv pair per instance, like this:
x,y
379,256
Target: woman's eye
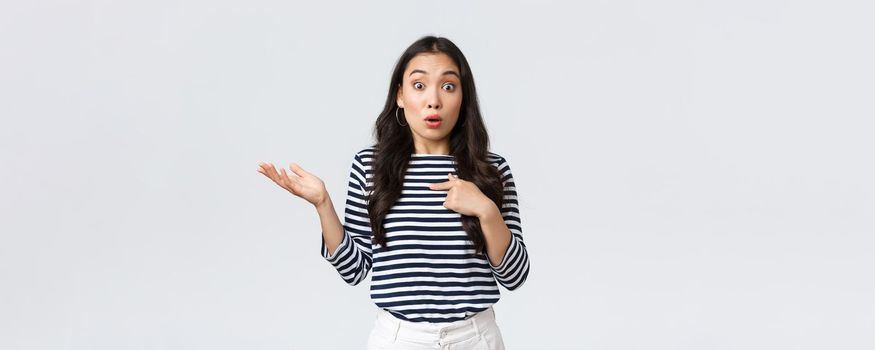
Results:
x,y
449,86
417,85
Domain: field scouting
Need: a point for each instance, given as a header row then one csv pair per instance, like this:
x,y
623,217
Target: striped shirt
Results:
x,y
427,275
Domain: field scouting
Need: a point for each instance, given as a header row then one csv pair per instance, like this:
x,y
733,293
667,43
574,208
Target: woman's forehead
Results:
x,y
431,64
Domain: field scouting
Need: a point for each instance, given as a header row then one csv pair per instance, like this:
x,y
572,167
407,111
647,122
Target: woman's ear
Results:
x,y
398,97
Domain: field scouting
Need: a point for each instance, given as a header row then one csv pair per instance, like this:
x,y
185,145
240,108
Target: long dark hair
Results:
x,y
469,145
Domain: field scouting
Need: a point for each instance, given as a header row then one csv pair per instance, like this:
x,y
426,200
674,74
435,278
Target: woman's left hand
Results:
x,y
464,197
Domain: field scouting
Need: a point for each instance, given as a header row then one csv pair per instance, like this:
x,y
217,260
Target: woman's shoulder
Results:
x,y
496,159
361,164
365,154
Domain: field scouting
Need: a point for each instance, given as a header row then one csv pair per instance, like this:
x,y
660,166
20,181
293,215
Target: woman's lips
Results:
x,y
433,121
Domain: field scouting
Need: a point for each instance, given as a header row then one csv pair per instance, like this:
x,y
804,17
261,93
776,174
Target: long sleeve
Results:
x,y
514,267
352,258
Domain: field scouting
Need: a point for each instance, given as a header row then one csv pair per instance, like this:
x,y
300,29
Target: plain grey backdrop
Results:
x,y
692,174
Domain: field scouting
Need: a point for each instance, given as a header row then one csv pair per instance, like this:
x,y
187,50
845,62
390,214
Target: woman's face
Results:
x,y
431,86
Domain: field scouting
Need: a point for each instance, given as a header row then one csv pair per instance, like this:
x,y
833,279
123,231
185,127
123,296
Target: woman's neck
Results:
x,y
439,148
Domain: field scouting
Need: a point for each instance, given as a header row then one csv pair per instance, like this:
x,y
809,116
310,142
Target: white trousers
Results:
x,y
479,332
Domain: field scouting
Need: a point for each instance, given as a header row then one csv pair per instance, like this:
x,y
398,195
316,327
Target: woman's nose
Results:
x,y
434,101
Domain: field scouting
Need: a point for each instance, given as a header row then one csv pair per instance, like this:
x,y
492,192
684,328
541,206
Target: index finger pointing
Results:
x,y
441,185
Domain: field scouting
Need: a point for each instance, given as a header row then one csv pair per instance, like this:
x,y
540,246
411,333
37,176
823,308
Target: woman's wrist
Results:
x,y
324,203
490,210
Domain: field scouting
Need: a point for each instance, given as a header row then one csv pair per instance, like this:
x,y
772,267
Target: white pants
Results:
x,y
479,332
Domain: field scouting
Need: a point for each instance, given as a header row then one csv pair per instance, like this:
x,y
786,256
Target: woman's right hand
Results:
x,y
304,185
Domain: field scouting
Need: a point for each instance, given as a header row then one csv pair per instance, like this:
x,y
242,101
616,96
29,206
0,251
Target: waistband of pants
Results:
x,y
430,332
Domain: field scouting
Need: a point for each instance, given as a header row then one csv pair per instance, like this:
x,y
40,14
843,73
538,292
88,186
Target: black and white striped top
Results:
x,y
426,275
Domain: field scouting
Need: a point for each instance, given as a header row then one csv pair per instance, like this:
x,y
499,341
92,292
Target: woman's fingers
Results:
x,y
287,182
298,170
268,170
262,168
273,174
283,178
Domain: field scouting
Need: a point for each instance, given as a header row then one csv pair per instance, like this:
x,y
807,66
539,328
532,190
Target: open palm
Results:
x,y
302,183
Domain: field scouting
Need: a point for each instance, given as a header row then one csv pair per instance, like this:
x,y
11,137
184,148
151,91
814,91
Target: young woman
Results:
x,y
428,207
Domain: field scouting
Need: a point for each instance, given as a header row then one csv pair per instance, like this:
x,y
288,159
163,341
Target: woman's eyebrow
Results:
x,y
449,72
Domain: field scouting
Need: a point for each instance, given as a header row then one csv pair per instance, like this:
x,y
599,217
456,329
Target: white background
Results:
x,y
692,175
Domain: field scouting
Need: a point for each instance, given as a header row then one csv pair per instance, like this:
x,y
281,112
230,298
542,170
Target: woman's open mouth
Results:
x,y
433,121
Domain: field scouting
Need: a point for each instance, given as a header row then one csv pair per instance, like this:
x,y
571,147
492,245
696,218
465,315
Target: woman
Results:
x,y
429,207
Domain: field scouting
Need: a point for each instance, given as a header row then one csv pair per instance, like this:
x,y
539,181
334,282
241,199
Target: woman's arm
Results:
x,y
347,246
502,230
496,234
332,229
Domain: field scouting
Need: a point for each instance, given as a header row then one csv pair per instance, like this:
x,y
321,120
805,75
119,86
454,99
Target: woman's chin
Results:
x,y
433,134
